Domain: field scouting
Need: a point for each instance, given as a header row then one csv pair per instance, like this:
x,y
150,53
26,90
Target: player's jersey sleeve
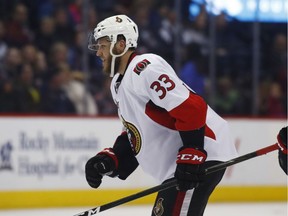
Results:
x,y
160,84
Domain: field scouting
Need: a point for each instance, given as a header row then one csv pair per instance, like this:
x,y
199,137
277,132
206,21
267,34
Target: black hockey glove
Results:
x,y
282,153
189,167
104,163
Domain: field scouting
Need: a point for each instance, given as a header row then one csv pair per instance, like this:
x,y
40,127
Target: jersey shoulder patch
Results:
x,y
141,66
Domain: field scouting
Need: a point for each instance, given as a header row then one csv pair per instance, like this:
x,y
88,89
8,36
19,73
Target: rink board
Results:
x,y
42,163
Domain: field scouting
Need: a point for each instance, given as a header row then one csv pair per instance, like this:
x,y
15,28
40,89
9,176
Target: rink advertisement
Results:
x,y
42,160
50,153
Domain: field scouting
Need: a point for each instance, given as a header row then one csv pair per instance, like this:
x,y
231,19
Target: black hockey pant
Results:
x,y
172,202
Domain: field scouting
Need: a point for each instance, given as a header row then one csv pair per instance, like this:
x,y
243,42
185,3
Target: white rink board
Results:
x,y
250,135
39,153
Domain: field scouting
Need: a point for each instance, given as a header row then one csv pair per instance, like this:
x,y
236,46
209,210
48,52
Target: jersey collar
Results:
x,y
129,60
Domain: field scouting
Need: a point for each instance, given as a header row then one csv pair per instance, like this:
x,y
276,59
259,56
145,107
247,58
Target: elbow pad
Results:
x,y
127,161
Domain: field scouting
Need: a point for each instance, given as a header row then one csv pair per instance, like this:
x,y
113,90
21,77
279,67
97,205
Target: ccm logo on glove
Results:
x,y
191,156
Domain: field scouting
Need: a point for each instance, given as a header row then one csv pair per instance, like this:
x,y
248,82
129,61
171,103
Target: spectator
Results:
x,y
227,97
58,54
41,69
222,42
104,7
45,8
63,26
75,10
149,22
105,101
278,60
31,25
3,41
54,98
78,93
123,6
45,36
167,31
8,102
27,96
193,71
13,60
276,102
92,19
17,28
196,32
29,54
3,52
76,51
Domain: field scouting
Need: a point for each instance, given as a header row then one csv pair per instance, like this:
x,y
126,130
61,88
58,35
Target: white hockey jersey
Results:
x,y
154,104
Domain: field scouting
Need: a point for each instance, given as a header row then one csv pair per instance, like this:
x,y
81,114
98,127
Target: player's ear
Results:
x,y
121,44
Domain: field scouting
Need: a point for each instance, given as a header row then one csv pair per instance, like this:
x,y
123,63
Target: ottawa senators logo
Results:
x,y
141,66
158,209
118,19
133,136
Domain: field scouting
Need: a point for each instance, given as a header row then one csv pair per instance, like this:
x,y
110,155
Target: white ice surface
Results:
x,y
213,209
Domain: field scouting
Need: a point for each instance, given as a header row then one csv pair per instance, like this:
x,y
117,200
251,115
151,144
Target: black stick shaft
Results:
x,y
173,182
242,158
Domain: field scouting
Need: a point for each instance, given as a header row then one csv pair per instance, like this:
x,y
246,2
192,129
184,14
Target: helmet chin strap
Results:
x,y
114,56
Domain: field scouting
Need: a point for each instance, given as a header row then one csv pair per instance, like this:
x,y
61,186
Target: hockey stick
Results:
x,y
245,157
173,182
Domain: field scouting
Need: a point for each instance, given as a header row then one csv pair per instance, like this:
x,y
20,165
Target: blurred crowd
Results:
x,y
42,69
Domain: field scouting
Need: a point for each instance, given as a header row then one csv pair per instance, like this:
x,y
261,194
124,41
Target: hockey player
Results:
x,y
170,131
282,153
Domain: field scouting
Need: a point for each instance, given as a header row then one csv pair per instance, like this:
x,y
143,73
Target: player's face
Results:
x,y
103,52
